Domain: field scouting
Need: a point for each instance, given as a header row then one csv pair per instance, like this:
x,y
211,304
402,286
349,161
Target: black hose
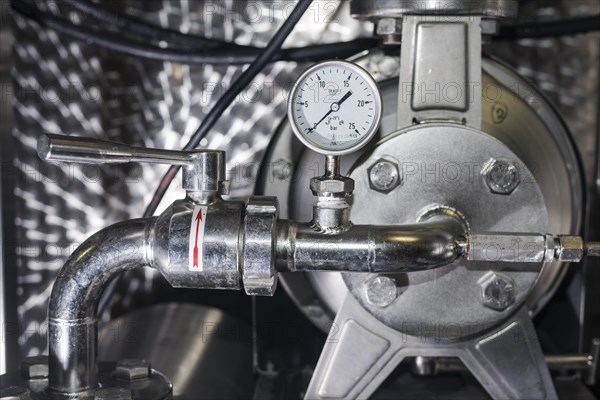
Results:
x,y
114,42
550,29
229,56
225,101
147,31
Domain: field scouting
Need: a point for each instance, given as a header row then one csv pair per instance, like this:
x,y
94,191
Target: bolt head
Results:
x,y
35,367
381,291
498,291
501,176
389,26
384,176
132,369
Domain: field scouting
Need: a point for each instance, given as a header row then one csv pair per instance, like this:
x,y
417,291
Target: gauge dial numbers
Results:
x,y
335,107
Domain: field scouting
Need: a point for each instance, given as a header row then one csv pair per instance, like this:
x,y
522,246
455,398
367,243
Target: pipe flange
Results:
x,y
258,269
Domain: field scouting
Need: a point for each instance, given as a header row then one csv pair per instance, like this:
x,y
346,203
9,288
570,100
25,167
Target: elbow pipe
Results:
x,y
366,248
72,310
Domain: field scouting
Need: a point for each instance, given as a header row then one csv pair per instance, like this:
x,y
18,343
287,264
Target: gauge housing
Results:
x,y
372,109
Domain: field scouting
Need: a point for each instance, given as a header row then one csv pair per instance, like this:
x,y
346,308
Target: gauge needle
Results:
x,y
343,99
334,107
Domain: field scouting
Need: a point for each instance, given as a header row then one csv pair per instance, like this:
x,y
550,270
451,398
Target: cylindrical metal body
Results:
x,y
569,361
592,249
75,295
579,362
331,215
221,265
332,165
205,172
510,247
365,248
592,375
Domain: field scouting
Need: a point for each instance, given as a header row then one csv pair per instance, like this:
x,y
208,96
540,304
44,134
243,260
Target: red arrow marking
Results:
x,y
198,221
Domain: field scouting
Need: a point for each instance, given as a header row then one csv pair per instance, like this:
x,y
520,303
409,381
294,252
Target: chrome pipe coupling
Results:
x,y
260,227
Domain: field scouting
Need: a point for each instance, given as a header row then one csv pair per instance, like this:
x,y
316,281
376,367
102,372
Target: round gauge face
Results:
x,y
335,107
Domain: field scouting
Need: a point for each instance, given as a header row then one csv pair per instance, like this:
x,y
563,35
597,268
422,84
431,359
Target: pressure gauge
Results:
x,y
335,107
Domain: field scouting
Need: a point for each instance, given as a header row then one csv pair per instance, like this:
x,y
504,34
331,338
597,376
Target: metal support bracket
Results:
x,y
361,352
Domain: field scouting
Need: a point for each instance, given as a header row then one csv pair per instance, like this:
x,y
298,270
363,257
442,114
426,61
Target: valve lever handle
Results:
x,y
96,151
203,170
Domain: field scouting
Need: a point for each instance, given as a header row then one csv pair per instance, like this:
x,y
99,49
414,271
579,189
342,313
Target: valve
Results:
x,y
196,239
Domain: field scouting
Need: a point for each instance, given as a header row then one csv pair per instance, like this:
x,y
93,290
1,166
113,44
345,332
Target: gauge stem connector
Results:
x,y
331,213
332,166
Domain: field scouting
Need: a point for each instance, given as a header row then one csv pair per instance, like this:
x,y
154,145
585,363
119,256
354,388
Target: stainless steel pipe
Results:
x,y
366,248
72,334
131,244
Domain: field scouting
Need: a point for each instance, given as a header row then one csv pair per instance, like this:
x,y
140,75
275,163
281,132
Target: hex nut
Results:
x,y
571,248
336,186
35,367
390,30
15,393
113,394
381,291
501,176
497,291
132,369
384,176
389,26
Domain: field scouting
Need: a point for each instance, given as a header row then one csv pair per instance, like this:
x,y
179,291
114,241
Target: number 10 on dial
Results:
x,y
335,107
